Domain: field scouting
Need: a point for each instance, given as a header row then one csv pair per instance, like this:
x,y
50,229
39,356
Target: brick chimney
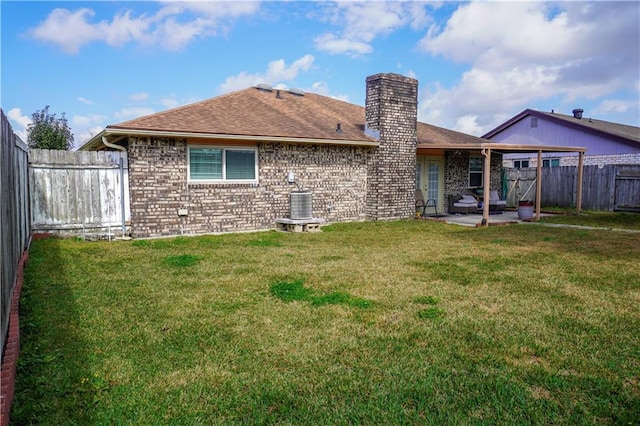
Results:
x,y
391,112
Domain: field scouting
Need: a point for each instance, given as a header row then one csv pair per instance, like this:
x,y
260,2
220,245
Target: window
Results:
x,y
209,164
518,164
551,162
475,172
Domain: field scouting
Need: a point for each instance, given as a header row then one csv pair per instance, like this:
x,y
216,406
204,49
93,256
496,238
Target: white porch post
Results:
x,y
579,185
486,183
538,184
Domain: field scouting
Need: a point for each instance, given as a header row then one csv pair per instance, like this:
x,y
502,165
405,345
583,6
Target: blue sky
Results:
x,y
477,63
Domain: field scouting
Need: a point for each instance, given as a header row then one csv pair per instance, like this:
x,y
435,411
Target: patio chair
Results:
x,y
464,204
421,204
495,203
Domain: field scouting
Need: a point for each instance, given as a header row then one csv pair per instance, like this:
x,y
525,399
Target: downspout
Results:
x,y
122,209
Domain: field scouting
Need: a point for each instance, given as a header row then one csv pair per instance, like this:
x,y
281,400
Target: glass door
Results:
x,y
430,179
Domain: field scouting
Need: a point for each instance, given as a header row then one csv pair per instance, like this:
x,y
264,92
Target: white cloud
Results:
x,y
139,97
522,53
67,29
172,27
84,127
468,124
20,121
87,121
361,22
330,43
132,112
277,73
84,100
169,103
82,136
615,105
322,88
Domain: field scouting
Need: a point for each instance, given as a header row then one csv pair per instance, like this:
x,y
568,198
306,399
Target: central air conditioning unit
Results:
x,y
301,205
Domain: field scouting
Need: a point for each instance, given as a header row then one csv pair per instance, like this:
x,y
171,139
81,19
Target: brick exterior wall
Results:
x,y
589,160
336,176
392,110
347,183
598,160
456,179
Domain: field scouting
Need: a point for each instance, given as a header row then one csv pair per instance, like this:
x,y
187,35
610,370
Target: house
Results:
x,y
606,142
230,163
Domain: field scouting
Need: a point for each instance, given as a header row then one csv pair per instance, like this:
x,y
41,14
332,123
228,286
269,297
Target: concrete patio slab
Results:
x,y
504,218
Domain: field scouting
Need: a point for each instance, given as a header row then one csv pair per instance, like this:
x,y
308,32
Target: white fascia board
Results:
x,y
240,137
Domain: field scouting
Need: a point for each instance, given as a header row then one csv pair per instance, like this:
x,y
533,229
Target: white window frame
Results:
x,y
481,172
224,164
549,161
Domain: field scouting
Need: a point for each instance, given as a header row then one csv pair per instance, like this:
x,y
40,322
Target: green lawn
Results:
x,y
599,219
407,322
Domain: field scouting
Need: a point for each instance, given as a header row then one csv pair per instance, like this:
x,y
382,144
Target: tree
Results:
x,y
48,132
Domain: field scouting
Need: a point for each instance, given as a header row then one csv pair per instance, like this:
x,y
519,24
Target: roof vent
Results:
x,y
577,113
338,128
278,95
297,92
264,87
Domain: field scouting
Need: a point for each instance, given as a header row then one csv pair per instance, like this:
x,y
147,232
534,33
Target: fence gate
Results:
x,y
521,185
79,192
627,188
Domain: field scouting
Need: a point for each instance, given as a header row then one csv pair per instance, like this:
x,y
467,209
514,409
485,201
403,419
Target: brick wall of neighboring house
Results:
x,y
456,179
391,109
599,160
335,175
589,160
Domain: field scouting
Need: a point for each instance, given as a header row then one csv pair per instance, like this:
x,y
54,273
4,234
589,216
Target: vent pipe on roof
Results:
x,y
278,95
577,113
338,128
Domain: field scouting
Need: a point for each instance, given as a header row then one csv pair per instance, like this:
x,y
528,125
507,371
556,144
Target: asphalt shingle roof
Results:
x,y
256,112
617,129
623,132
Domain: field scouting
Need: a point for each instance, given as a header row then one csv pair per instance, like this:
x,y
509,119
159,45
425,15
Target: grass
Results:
x,y
407,322
599,219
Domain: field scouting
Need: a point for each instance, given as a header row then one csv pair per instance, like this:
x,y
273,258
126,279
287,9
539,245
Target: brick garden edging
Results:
x,y
12,348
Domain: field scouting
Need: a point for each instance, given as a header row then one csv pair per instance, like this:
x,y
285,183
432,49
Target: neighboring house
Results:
x,y
224,164
606,142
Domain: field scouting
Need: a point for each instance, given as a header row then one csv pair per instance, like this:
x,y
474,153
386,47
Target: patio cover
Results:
x,y
486,148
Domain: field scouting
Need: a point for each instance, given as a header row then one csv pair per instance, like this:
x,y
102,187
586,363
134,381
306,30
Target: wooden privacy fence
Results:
x,y
612,187
14,214
81,191
521,185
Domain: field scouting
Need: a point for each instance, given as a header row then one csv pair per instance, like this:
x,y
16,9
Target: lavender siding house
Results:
x,y
606,142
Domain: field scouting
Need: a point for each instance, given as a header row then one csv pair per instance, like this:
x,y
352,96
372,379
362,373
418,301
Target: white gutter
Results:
x,y
122,209
110,145
504,147
133,132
